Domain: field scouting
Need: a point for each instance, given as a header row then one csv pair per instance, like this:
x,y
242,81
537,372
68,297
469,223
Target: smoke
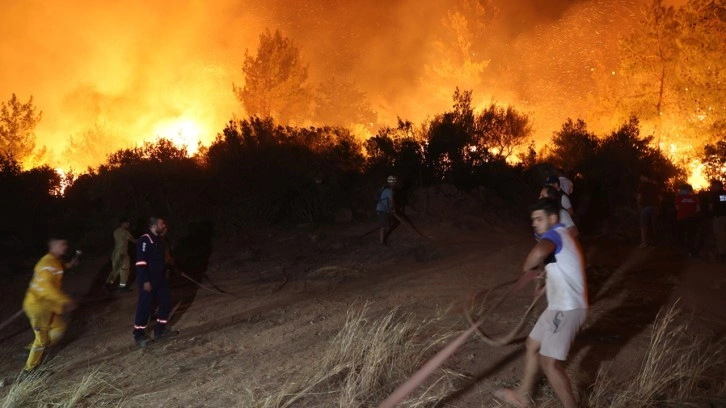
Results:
x,y
118,73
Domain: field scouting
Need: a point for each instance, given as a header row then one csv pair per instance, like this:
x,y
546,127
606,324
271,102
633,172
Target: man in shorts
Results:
x,y
552,336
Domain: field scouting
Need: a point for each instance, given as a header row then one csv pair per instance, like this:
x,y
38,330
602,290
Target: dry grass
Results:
x,y
677,370
364,363
41,389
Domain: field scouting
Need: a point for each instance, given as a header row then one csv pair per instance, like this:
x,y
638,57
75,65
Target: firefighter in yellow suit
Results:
x,y
120,260
45,301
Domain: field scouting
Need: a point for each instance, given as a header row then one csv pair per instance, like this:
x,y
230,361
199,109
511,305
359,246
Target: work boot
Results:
x,y
124,288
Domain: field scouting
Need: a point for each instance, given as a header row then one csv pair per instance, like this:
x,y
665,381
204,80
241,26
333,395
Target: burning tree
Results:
x,y
673,68
17,128
458,53
714,160
275,80
339,103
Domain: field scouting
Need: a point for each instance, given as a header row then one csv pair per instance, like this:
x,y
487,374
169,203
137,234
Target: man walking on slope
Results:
x,y
120,261
553,334
153,285
386,210
45,301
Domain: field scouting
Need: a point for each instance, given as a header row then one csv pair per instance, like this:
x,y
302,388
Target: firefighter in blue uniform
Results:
x,y
153,285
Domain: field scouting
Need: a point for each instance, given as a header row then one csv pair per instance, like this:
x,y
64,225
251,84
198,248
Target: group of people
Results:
x,y
45,302
558,261
689,215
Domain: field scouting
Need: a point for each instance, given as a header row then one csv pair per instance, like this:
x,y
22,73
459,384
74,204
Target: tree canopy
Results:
x,y
17,128
275,80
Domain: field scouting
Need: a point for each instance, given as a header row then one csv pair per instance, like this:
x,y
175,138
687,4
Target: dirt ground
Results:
x,y
287,292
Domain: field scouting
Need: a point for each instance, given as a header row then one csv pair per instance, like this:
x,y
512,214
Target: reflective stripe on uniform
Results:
x,y
162,321
141,263
139,327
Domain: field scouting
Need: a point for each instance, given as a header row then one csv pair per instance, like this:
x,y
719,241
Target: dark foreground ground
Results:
x,y
287,293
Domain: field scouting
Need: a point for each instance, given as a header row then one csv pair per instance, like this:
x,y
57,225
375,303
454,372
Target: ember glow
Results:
x,y
124,73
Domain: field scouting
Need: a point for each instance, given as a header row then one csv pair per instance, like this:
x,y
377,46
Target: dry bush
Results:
x,y
677,370
364,363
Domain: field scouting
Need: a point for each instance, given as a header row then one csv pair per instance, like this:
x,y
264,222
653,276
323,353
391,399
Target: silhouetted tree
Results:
x,y
398,150
451,141
275,80
622,157
573,146
17,128
499,130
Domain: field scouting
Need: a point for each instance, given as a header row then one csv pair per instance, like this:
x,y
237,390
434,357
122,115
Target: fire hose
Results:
x,y
436,361
11,318
403,220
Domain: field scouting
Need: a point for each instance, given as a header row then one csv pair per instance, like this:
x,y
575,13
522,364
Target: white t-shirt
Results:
x,y
565,202
566,218
566,185
566,282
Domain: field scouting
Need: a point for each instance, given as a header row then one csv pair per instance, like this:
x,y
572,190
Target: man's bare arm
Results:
x,y
538,254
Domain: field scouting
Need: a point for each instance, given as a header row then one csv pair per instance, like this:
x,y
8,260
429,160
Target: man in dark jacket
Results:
x,y
153,285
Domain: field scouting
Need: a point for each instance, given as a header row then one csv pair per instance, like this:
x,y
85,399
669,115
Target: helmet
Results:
x,y
392,180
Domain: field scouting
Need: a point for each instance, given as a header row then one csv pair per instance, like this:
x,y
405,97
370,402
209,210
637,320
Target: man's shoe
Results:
x,y
125,289
143,341
166,334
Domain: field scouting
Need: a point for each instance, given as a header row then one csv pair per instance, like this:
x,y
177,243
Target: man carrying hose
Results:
x,y
553,334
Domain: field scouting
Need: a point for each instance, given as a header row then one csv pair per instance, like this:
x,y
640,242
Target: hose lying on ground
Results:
x,y
436,361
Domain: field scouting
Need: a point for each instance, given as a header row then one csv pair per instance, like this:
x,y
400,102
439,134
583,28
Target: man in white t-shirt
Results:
x,y
565,202
566,185
565,217
552,336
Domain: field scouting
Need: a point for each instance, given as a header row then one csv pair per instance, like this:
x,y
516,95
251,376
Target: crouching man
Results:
x,y
549,341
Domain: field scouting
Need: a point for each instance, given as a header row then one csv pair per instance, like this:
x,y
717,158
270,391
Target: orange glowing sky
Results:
x,y
138,69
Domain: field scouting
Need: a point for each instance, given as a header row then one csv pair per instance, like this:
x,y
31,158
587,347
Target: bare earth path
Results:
x,y
289,294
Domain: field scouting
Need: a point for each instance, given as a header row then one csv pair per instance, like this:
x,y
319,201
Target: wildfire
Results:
x,y
182,131
696,178
65,181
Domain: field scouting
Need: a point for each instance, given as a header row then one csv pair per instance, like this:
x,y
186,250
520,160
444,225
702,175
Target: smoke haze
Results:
x,y
124,72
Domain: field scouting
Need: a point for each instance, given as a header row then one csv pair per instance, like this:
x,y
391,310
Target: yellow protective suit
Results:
x,y
43,304
120,260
